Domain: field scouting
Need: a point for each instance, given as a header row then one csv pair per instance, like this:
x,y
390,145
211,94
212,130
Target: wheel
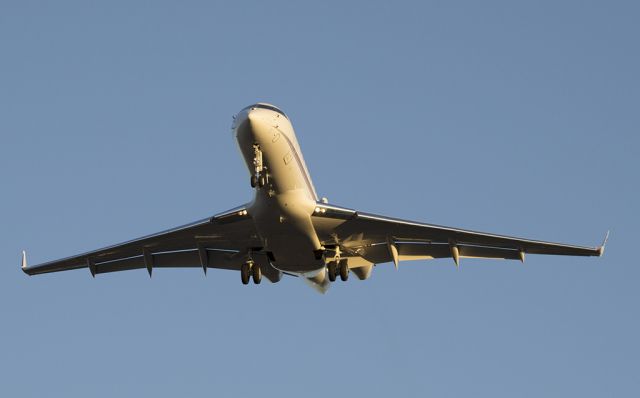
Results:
x,y
256,273
244,273
254,181
344,270
262,181
332,270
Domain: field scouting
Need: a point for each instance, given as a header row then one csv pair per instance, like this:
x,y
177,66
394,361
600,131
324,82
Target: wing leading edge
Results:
x,y
380,239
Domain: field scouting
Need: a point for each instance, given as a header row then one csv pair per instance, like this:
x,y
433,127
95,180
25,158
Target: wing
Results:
x,y
221,241
378,239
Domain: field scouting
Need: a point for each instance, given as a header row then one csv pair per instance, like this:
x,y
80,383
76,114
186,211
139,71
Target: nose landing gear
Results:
x,y
260,177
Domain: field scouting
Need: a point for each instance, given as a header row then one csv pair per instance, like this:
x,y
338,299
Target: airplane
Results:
x,y
287,230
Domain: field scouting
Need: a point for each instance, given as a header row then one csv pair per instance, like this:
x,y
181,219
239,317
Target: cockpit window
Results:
x,y
268,107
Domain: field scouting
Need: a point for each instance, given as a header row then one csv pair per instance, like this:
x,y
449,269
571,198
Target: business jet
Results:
x,y
287,230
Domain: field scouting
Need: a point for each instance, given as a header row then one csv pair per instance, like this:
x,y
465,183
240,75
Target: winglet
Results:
x,y
393,250
604,243
24,261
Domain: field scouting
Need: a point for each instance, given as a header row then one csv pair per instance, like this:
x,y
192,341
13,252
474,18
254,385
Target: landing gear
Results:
x,y
259,178
245,271
258,181
337,267
344,270
256,273
250,270
332,270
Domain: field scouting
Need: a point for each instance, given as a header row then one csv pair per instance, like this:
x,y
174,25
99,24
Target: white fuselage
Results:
x,y
283,206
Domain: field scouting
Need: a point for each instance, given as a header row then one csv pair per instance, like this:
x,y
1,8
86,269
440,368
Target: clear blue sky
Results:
x,y
509,118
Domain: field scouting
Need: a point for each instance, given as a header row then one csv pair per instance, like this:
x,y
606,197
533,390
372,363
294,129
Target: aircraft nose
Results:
x,y
243,123
251,125
252,117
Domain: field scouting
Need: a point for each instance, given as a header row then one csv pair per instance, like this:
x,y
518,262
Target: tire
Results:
x,y
262,181
244,274
256,273
344,270
254,181
332,271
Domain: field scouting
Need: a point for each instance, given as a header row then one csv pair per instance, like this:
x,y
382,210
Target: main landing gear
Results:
x,y
250,270
338,267
260,177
